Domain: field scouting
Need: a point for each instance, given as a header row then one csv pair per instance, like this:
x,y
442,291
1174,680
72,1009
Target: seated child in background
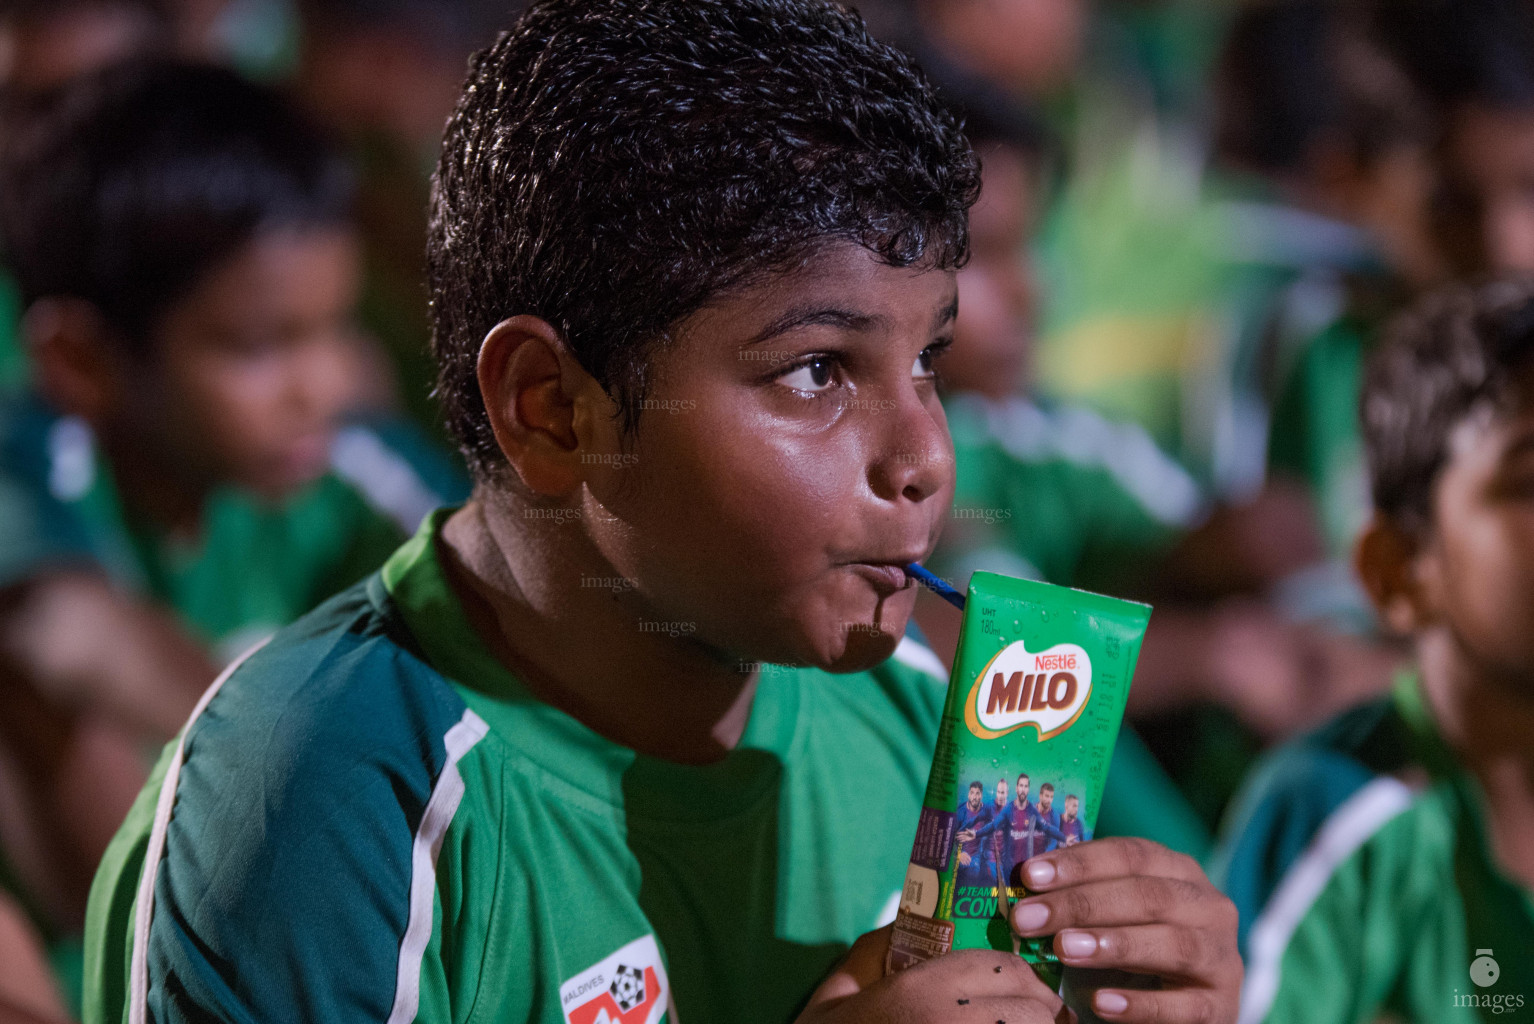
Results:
x,y
1475,61
1376,858
690,267
1328,150
178,482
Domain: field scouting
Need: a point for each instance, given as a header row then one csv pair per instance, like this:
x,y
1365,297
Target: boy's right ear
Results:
x,y
540,401
1386,560
74,360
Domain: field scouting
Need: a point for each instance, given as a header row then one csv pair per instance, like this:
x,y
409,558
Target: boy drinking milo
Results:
x,y
691,267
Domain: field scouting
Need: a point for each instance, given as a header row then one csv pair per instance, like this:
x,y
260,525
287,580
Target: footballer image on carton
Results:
x,y
1034,703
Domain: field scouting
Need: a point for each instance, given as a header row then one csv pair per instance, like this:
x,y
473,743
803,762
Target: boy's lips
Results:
x,y
887,577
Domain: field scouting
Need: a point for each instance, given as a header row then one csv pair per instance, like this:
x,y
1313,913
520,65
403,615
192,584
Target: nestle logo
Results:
x,y
1055,662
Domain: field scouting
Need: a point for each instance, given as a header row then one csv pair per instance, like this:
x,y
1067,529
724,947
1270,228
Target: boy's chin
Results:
x,y
860,649
276,490
276,482
834,636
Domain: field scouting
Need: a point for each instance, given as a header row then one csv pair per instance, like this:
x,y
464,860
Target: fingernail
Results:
x,y
1078,945
1040,872
1111,1002
1030,917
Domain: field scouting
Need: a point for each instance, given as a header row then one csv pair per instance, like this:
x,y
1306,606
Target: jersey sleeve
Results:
x,y
296,870
1320,899
109,915
1322,975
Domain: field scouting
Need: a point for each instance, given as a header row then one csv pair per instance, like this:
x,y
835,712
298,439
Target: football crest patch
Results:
x,y
627,987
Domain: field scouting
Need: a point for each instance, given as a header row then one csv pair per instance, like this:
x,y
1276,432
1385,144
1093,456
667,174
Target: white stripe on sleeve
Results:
x,y
440,808
1345,830
138,969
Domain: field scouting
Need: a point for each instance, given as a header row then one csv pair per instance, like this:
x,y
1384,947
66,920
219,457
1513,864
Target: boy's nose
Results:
x,y
916,456
326,378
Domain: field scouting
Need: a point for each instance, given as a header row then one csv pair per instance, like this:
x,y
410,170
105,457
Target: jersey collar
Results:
x,y
415,580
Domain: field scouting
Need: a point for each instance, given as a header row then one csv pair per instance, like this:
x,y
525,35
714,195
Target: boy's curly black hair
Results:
x,y
1458,350
614,164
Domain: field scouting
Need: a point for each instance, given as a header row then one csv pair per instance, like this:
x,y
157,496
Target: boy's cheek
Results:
x,y
1490,586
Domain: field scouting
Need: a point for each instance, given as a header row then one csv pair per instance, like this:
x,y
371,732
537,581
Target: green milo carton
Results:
x,y
1034,704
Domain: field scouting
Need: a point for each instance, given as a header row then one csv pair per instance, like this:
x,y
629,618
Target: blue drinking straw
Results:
x,y
935,585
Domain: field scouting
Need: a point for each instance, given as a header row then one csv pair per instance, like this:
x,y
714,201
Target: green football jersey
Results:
x,y
372,819
256,566
1060,494
1359,860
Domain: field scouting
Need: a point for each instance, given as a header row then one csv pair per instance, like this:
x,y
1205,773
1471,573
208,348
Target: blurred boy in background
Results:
x,y
182,479
1329,148
1475,60
1374,859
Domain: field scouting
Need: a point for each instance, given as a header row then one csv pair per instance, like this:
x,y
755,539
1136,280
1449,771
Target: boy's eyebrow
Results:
x,y
817,316
847,319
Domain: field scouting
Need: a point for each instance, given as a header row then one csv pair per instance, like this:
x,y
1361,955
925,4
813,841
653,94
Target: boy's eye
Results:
x,y
813,375
923,366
